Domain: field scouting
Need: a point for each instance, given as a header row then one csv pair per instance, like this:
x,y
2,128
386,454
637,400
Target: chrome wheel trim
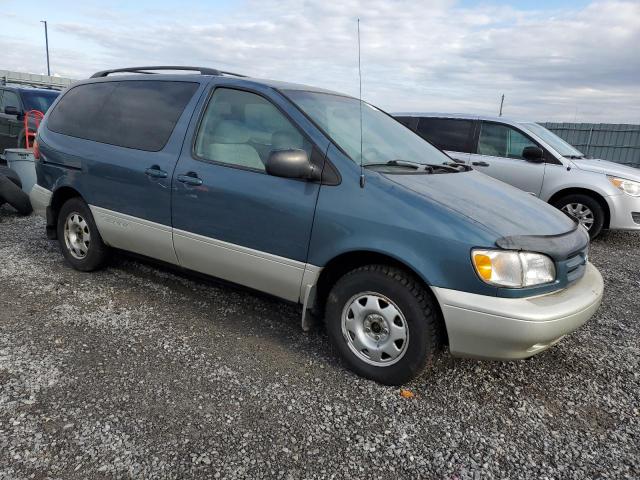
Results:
x,y
77,237
581,212
375,329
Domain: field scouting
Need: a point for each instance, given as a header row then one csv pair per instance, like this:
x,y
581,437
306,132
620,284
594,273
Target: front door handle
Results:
x,y
190,178
480,164
155,172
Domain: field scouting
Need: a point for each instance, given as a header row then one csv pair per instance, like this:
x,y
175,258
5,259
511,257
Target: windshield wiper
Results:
x,y
457,166
402,163
574,157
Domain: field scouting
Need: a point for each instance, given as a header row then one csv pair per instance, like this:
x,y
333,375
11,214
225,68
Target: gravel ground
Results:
x,y
141,372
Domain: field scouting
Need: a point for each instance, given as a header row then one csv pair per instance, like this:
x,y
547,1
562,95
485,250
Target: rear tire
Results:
x,y
11,193
79,238
383,323
11,175
586,209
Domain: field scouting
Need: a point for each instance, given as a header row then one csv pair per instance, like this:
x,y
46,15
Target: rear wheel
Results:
x,y
383,323
79,239
587,210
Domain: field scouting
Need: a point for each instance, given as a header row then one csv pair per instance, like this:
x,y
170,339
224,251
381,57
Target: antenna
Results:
x,y
360,80
501,104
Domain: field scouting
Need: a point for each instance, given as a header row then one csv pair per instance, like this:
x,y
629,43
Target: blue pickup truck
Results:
x,y
315,198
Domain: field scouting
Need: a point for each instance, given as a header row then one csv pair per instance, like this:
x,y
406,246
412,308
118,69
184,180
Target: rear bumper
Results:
x,y
40,199
480,326
622,208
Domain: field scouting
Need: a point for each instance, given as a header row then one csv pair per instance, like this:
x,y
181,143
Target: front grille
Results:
x,y
575,265
636,217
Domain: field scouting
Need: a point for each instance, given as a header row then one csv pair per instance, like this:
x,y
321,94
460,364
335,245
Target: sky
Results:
x,y
573,61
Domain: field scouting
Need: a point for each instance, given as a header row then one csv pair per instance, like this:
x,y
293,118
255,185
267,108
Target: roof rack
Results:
x,y
150,70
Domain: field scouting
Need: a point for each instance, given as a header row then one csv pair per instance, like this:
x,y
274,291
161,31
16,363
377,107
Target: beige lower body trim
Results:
x,y
262,271
135,234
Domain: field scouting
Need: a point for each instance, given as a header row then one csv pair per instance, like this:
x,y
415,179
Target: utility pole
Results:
x,y
501,104
46,39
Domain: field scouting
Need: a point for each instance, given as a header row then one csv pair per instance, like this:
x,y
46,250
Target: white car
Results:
x,y
599,193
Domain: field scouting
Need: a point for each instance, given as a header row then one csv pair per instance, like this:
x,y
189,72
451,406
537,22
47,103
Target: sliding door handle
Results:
x,y
190,178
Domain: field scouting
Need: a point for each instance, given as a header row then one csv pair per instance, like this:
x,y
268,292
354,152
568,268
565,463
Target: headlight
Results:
x,y
627,186
505,268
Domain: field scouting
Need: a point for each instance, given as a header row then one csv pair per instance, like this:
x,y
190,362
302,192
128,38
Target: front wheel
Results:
x,y
79,238
585,209
383,323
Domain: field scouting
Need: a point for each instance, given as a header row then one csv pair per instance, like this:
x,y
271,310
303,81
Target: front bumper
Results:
x,y
622,208
480,326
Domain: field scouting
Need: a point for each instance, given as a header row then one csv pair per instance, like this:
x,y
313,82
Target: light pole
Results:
x,y
46,39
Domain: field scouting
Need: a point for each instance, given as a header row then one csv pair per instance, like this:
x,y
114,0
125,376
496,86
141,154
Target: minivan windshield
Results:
x,y
38,100
558,144
385,141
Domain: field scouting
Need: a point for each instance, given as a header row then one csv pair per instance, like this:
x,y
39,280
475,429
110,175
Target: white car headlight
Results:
x,y
627,186
505,268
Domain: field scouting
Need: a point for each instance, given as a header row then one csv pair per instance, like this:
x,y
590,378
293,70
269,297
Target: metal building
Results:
x,y
615,142
34,80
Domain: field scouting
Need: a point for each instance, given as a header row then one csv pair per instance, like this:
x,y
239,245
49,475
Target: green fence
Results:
x,y
615,142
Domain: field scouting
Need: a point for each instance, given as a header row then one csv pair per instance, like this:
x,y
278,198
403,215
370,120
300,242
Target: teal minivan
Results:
x,y
274,186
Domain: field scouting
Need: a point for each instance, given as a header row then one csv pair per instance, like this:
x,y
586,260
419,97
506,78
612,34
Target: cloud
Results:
x,y
563,64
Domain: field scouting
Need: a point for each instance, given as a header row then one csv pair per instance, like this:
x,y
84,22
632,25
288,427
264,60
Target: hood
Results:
x,y
607,168
501,208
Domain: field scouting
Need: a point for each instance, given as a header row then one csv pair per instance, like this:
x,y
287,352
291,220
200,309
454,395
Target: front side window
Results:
x,y
499,140
447,133
242,129
383,139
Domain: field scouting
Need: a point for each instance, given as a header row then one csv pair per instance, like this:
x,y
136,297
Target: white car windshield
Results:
x,y
558,144
384,139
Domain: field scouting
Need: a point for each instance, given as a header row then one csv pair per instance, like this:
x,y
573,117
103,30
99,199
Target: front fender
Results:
x,y
430,239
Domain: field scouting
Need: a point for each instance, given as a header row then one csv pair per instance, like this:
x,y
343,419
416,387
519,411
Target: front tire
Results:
x,y
586,209
383,323
79,238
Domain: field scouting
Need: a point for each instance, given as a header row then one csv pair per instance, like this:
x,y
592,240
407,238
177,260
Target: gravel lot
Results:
x,y
142,372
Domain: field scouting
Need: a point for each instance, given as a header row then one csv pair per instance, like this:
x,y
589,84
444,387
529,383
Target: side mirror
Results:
x,y
533,154
12,111
291,164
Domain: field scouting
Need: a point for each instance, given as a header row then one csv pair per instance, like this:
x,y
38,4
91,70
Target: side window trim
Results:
x,y
203,111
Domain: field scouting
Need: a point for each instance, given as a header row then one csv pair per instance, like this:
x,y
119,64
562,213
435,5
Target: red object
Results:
x,y
28,136
36,150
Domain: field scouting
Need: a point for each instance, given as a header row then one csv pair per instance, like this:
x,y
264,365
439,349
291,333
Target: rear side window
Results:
x,y
135,114
409,122
447,133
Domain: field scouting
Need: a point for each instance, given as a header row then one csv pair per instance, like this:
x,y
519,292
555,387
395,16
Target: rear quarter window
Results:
x,y
138,114
447,133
